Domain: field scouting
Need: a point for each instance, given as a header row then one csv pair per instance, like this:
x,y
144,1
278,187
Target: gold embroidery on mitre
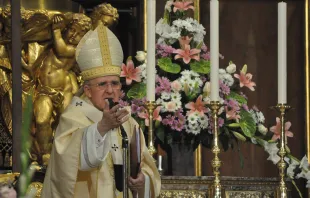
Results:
x,y
104,45
101,71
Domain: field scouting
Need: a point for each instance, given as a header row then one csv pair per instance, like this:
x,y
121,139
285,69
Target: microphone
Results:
x,y
124,134
111,103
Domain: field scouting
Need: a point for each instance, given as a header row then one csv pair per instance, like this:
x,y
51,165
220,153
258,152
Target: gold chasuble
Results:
x,y
64,179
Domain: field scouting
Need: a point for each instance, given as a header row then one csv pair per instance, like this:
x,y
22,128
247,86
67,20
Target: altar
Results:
x,y
235,187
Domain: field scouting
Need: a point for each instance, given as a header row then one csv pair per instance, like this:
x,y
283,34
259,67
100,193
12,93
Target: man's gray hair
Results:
x,y
81,90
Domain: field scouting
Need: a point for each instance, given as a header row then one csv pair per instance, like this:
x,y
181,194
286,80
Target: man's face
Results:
x,y
99,89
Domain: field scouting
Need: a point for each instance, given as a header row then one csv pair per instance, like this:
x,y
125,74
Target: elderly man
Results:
x,y
87,148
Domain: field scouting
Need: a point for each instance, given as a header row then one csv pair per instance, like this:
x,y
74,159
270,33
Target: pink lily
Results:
x,y
144,114
198,106
182,5
232,114
130,72
184,40
277,129
246,80
187,54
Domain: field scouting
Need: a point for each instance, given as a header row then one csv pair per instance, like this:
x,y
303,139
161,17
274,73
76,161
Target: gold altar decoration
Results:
x,y
198,151
216,190
183,193
151,106
38,187
61,6
242,187
197,155
50,35
6,179
281,191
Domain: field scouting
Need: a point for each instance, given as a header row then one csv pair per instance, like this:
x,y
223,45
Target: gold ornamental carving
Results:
x,y
38,188
182,194
49,39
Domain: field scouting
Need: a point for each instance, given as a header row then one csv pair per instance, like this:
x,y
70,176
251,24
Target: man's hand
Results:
x,y
112,118
136,184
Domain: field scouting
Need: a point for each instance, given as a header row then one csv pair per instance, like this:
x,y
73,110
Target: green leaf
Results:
x,y
128,59
272,141
166,65
157,123
202,66
241,158
247,123
296,187
287,149
137,91
226,131
166,16
239,98
169,139
160,133
239,136
260,141
186,89
141,124
25,144
234,125
244,69
199,45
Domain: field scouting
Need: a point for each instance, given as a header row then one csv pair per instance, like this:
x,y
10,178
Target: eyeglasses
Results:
x,y
115,85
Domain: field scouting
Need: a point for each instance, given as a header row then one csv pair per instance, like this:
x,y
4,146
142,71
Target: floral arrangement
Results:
x,y
183,92
183,85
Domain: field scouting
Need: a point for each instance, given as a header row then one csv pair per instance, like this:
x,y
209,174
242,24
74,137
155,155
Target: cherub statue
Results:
x,y
56,84
36,39
5,78
104,13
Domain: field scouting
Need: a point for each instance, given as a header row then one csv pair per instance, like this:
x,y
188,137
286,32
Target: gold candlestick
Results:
x,y
216,190
281,191
150,106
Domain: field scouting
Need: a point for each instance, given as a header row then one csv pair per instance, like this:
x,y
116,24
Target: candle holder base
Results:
x,y
151,106
281,192
152,150
216,192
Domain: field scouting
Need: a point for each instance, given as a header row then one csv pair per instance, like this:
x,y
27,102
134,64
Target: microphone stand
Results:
x,y
125,162
126,156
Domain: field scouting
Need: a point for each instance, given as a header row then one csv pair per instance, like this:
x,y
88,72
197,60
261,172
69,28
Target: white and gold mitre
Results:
x,y
99,53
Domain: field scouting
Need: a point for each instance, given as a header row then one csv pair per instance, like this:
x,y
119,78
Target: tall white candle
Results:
x,y
160,162
214,49
282,53
151,62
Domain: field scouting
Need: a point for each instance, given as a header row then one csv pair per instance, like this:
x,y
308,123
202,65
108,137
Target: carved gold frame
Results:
x,y
198,151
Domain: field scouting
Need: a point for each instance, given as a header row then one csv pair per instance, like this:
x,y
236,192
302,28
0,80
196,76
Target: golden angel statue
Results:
x,y
49,71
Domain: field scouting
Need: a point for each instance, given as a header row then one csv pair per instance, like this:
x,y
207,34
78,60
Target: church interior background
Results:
x,y
247,35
